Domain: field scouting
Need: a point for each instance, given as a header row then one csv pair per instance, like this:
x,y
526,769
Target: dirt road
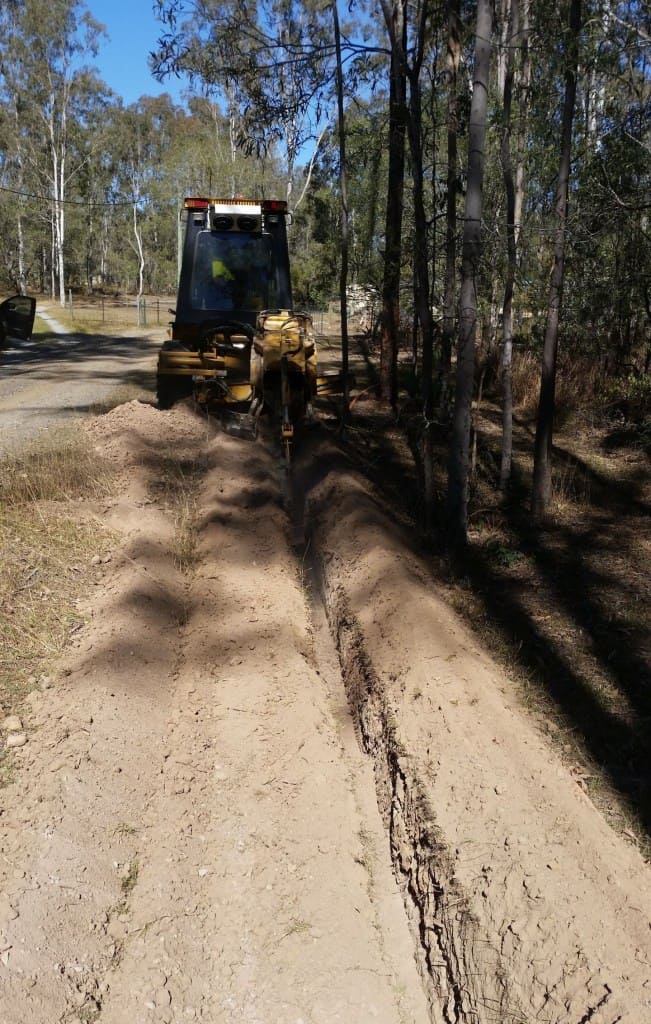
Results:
x,y
47,383
285,787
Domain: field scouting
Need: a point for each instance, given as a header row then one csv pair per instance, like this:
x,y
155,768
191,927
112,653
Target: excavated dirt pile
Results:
x,y
283,786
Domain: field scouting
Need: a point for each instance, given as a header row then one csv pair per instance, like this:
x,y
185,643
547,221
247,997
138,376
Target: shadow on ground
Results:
x,y
568,604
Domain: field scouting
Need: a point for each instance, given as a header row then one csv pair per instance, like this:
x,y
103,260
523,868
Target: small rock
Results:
x,y
16,739
12,724
202,872
96,560
500,790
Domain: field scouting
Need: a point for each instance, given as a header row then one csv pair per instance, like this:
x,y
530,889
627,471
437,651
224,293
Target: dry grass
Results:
x,y
129,881
185,547
177,486
46,548
577,385
110,316
59,471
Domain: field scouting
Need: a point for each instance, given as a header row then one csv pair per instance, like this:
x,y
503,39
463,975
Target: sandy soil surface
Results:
x,y
286,787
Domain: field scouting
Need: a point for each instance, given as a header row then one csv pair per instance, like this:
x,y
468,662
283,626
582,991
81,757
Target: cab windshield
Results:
x,y
233,271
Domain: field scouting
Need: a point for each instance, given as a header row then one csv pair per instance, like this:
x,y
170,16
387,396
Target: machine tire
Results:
x,y
170,389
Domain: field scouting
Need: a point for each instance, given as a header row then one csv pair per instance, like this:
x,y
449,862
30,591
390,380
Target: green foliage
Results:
x,y
629,397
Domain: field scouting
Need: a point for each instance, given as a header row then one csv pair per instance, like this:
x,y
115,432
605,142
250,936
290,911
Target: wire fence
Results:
x,y
147,311
157,310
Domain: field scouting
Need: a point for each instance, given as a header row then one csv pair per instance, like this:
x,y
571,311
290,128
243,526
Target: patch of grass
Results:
x,y
186,541
502,554
129,881
46,550
124,829
63,469
570,487
123,321
177,486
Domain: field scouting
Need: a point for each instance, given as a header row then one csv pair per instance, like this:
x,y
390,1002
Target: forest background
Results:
x,y
480,172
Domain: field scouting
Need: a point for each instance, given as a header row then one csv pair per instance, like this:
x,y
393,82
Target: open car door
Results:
x,y
17,317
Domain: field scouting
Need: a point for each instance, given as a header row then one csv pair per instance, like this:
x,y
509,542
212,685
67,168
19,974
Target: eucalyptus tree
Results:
x,y
423,263
610,234
343,186
14,182
515,78
143,143
395,18
45,45
452,61
542,482
457,497
270,61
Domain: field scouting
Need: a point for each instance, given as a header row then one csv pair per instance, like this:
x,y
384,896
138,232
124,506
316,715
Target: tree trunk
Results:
x,y
507,306
395,17
524,85
52,258
457,502
58,144
421,262
452,67
137,235
21,279
343,185
521,9
542,473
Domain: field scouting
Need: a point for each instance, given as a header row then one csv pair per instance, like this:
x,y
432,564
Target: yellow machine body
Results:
x,y
236,344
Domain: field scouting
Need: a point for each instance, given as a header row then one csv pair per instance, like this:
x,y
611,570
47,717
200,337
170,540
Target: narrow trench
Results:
x,y
460,972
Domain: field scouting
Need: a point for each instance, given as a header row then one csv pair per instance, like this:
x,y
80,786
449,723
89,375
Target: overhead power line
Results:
x,y
63,202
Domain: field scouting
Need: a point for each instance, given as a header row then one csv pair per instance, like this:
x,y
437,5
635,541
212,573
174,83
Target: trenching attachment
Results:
x,y
240,425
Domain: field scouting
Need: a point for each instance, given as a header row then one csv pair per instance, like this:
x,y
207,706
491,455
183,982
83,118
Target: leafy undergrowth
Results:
x,y
47,551
564,607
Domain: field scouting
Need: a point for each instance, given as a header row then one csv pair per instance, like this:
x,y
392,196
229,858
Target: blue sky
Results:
x,y
122,60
